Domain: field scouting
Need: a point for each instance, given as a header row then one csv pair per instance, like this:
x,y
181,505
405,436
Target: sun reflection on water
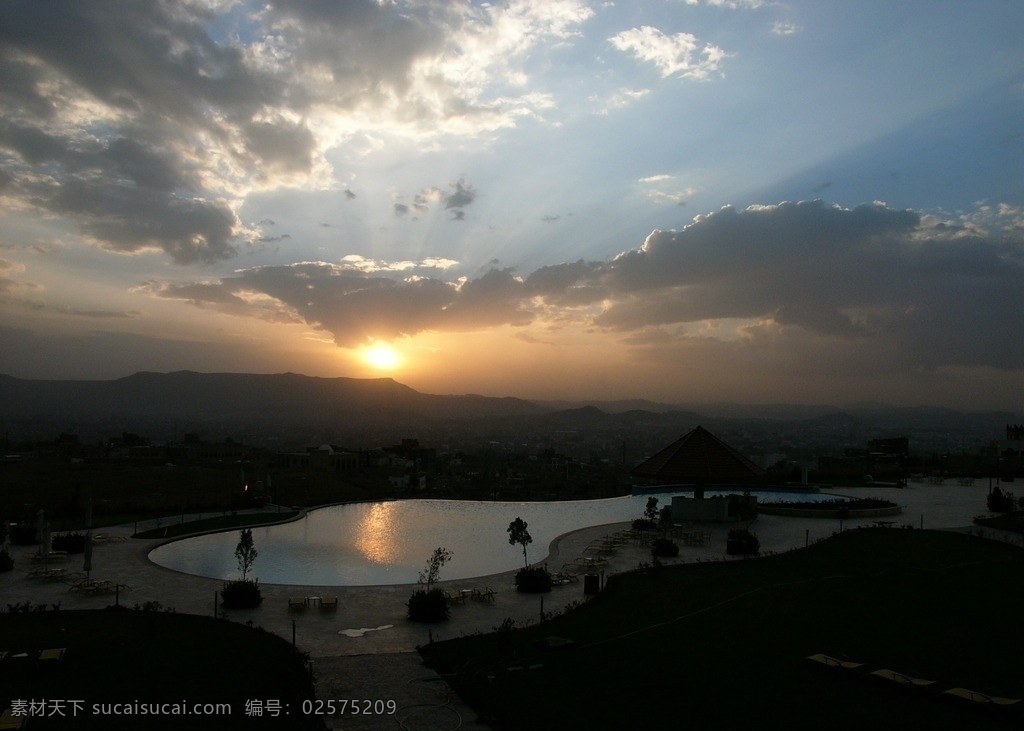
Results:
x,y
376,534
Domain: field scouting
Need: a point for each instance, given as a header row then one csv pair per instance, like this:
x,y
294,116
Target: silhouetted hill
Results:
x,y
299,409
285,398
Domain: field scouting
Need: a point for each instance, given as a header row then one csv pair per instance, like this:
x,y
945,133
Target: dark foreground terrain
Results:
x,y
725,645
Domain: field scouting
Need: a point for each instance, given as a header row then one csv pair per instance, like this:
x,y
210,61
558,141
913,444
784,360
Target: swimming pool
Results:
x,y
366,544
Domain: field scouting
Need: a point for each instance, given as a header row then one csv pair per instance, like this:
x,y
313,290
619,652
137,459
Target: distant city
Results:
x,y
322,439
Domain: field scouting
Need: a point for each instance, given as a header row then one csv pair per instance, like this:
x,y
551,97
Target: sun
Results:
x,y
382,356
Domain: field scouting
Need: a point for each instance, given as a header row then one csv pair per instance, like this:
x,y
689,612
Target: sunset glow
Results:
x,y
691,201
382,356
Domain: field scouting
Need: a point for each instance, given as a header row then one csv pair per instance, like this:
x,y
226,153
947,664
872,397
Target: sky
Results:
x,y
688,201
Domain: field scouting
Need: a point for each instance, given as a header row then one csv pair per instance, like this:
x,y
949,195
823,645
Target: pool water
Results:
x,y
366,544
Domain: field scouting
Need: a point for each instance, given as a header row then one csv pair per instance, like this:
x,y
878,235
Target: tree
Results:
x,y
651,511
245,552
517,533
430,573
430,604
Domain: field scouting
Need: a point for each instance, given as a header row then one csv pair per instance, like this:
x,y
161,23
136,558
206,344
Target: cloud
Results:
x,y
680,54
461,196
871,275
782,28
147,124
912,291
358,300
731,4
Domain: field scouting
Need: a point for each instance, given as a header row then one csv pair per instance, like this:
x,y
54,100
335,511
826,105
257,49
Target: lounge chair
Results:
x,y
9,722
560,578
843,666
103,587
329,602
900,678
297,602
984,698
52,656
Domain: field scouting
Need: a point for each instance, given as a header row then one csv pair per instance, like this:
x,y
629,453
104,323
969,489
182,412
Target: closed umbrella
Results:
x,y
45,547
87,567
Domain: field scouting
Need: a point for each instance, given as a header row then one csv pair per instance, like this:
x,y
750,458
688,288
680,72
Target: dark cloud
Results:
x,y
280,146
365,47
810,278
461,196
355,306
122,193
106,106
138,120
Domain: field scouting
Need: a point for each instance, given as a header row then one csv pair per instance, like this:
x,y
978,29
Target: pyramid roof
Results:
x,y
701,458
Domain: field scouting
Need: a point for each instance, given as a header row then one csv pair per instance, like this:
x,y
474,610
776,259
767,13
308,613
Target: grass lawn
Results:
x,y
724,645
152,657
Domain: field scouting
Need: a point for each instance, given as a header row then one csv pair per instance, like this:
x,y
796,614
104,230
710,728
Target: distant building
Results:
x,y
325,458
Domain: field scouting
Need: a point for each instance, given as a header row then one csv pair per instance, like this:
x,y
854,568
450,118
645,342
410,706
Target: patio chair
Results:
x,y
329,602
453,597
297,602
485,595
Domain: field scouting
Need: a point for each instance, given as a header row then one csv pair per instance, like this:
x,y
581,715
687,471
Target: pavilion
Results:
x,y
701,459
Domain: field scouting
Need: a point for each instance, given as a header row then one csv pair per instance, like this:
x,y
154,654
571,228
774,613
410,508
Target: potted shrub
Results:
x,y
6,562
664,548
244,593
430,604
741,542
241,595
69,542
533,580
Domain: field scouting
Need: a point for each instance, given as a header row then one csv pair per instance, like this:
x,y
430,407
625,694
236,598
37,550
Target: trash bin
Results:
x,y
591,584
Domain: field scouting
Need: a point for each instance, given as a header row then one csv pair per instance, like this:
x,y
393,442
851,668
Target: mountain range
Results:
x,y
306,406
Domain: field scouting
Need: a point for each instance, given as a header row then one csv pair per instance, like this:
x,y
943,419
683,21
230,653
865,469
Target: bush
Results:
x,y
428,606
664,548
69,542
533,580
741,541
241,595
644,524
6,562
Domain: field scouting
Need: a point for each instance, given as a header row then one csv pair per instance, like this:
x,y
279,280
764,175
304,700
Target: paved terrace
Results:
x,y
366,647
